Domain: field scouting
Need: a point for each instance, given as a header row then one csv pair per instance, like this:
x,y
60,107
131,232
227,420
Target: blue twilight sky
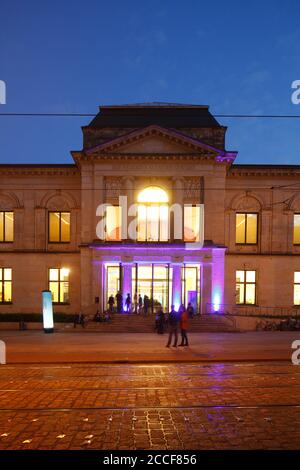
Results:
x,y
71,56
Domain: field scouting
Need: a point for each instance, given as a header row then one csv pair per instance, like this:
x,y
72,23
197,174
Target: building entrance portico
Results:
x,y
183,276
155,282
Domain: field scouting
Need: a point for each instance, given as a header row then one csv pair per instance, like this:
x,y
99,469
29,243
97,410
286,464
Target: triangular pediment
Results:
x,y
155,140
154,144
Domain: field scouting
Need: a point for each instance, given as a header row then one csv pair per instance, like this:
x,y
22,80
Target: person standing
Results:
x,y
119,299
146,304
173,325
190,310
140,305
111,303
184,327
128,303
160,317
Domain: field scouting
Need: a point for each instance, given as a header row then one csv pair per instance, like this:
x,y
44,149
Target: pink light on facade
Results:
x,y
217,293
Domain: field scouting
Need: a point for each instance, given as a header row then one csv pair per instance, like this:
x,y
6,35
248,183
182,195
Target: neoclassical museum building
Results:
x,y
65,227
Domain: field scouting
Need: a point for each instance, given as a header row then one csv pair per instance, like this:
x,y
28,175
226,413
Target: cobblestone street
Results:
x,y
182,406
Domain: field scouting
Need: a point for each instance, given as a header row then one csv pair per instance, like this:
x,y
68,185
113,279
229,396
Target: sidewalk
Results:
x,y
38,347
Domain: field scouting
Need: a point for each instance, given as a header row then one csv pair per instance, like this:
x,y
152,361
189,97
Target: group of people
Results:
x,y
81,319
171,322
140,304
174,321
102,317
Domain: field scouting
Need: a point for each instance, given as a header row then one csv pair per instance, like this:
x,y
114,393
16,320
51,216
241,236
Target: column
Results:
x,y
98,197
217,297
176,219
129,216
176,285
206,291
87,205
126,281
19,239
40,235
98,285
87,300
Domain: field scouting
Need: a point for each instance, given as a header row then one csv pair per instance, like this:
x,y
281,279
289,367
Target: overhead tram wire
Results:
x,y
233,116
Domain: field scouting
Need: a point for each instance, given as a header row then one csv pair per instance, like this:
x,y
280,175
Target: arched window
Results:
x,y
153,214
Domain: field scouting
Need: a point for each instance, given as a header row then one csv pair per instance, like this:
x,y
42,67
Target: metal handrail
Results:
x,y
253,310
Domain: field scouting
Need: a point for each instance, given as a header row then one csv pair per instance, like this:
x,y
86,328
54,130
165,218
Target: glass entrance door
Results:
x,y
153,281
113,283
161,287
190,277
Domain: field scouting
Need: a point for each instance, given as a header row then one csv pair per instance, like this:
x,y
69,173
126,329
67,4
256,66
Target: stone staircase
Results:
x,y
124,323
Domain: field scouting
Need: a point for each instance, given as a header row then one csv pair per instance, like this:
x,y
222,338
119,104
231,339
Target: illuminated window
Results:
x,y
296,229
245,288
297,288
59,284
59,227
6,226
5,285
191,223
153,215
246,229
113,223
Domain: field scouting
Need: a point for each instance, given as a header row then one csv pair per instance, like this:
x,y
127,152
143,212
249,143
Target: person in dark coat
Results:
x,y
146,304
190,310
111,303
119,299
140,305
173,327
128,303
160,320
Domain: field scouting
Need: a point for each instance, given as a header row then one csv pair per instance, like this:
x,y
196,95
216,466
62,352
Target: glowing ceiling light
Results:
x,y
153,194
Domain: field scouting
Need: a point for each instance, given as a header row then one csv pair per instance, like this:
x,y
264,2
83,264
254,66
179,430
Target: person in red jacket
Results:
x,y
184,318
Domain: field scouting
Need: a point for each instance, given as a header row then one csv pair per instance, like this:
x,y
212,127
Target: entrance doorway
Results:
x,y
154,281
190,284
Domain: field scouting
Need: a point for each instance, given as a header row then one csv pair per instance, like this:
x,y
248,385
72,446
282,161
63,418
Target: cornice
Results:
x,y
38,171
264,171
145,156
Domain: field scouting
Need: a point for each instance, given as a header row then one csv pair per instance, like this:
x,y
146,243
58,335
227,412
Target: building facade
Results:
x,y
151,182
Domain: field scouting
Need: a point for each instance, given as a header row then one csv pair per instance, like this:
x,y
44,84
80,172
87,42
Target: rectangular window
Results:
x,y
5,285
296,229
113,223
59,285
153,223
6,227
191,224
59,227
245,288
297,288
246,229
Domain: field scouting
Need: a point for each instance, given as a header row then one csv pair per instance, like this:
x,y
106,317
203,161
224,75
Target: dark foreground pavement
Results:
x,y
85,390
159,406
87,346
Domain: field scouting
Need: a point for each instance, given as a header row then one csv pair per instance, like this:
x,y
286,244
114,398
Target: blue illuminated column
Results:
x,y
176,285
47,311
